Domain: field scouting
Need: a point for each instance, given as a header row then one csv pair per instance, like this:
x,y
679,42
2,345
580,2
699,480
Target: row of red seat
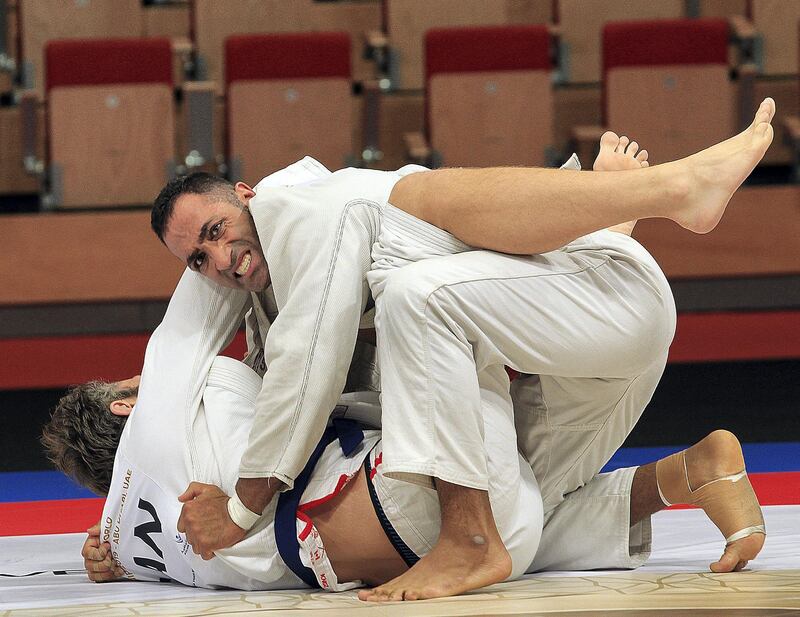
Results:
x,y
489,100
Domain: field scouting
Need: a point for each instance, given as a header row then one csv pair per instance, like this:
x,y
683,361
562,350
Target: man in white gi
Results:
x,y
314,243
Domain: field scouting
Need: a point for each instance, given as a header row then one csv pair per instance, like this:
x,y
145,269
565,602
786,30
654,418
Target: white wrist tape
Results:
x,y
240,514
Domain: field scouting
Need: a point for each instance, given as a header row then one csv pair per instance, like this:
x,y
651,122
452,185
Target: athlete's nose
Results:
x,y
220,257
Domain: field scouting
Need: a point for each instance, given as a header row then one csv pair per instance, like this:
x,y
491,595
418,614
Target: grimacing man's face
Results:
x,y
218,240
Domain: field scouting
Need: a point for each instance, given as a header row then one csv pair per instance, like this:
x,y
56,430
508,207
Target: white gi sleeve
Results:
x,y
200,320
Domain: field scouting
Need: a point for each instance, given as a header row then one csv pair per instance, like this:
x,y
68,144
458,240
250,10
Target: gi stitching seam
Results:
x,y
320,314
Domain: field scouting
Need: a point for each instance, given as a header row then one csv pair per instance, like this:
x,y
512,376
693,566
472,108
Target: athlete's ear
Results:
x,y
123,406
244,191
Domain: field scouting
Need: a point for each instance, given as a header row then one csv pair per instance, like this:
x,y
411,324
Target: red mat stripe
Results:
x,y
756,335
29,518
76,515
54,362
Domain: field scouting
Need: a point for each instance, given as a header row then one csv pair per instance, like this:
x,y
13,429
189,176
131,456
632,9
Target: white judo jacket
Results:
x,y
317,238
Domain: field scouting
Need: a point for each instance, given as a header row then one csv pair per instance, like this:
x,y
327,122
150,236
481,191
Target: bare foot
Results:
x,y
706,181
451,568
711,475
619,154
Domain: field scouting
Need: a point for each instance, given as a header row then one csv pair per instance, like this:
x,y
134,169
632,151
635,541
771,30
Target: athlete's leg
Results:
x,y
414,511
606,523
527,211
711,475
442,320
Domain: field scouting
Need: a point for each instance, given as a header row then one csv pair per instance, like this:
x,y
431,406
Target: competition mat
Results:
x,y
41,571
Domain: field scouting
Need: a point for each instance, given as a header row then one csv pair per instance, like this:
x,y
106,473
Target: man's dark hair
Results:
x,y
82,435
198,183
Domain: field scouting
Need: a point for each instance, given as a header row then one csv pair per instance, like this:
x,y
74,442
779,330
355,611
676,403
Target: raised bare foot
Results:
x,y
619,154
711,475
451,568
706,181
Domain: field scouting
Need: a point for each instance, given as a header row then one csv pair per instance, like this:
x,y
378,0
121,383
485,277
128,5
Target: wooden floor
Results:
x,y
761,593
674,582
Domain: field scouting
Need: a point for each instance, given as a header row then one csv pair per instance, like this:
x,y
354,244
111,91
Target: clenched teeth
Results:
x,y
245,265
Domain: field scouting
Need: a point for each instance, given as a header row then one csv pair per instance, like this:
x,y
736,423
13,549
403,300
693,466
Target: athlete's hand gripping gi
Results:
x,y
205,519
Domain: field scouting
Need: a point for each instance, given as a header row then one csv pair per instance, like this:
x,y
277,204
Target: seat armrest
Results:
x,y
182,59
741,27
198,113
29,110
376,49
747,40
372,94
376,39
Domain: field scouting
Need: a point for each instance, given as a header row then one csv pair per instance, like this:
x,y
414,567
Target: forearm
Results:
x,y
256,493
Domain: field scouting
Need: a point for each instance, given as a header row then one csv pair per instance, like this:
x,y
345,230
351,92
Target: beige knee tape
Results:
x,y
729,501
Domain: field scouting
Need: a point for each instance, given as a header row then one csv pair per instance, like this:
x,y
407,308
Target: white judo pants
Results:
x,y
590,324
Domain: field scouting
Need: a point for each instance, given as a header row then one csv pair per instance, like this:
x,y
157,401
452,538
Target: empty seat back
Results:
x,y
214,21
407,21
288,95
666,84
489,95
110,120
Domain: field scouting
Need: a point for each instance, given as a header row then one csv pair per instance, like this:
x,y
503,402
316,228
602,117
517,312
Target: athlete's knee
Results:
x,y
404,291
408,194
648,338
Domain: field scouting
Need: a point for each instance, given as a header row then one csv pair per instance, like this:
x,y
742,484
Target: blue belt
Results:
x,y
350,436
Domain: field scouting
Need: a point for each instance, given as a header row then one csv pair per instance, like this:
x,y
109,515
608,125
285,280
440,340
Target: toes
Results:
x,y
642,156
373,595
645,164
623,143
727,563
768,104
398,595
633,148
609,140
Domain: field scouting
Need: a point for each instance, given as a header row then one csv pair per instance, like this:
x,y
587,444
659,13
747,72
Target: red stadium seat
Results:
x,y
489,98
110,120
407,21
288,95
667,84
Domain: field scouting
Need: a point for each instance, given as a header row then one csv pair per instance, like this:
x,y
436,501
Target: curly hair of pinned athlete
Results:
x,y
82,435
